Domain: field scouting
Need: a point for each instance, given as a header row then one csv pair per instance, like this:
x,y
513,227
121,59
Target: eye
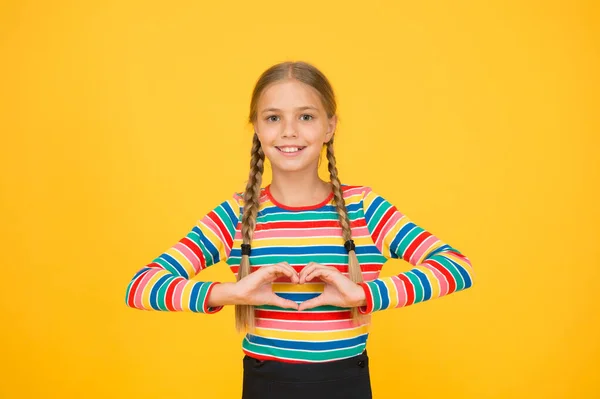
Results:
x,y
271,116
310,116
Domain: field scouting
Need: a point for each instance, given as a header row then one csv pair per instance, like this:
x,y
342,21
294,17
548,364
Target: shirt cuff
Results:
x,y
368,308
206,308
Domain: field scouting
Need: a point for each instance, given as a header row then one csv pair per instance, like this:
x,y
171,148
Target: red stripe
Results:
x,y
307,224
196,250
415,244
439,267
134,288
302,316
169,294
410,290
368,299
386,216
215,218
365,267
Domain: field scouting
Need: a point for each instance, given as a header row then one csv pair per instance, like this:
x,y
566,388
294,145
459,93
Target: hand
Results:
x,y
256,288
339,289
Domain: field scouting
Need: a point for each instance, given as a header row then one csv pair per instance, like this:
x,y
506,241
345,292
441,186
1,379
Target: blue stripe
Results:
x,y
194,297
425,282
444,247
298,297
209,247
307,345
465,275
154,291
399,236
230,212
144,269
385,295
304,250
372,208
176,265
352,207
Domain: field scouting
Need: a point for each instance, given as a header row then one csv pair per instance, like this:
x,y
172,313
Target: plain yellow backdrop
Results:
x,y
123,122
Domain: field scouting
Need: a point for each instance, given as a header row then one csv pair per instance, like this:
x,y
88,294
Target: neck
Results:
x,y
298,188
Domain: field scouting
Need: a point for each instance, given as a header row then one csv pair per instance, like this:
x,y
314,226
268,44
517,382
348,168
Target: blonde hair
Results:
x,y
308,74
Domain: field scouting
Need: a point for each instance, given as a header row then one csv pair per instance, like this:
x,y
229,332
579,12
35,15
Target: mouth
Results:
x,y
290,149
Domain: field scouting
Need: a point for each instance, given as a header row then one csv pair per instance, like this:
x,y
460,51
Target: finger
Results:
x,y
283,303
324,274
295,277
272,273
312,303
307,269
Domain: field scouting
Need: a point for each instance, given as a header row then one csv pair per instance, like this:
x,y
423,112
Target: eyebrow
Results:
x,y
297,109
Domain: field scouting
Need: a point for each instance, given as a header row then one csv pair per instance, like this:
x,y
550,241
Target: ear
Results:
x,y
331,124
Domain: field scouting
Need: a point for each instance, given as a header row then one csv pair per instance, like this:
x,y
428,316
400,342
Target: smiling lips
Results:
x,y
289,149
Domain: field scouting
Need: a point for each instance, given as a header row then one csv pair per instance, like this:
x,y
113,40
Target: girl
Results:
x,y
306,253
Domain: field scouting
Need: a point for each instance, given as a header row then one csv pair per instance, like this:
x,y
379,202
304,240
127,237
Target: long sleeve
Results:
x,y
164,284
439,269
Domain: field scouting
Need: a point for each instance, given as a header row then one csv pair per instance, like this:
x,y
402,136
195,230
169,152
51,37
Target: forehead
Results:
x,y
289,94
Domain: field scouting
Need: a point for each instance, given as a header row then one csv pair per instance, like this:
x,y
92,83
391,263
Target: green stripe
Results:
x,y
304,216
342,259
302,354
162,294
225,218
167,266
407,240
324,308
375,294
208,256
460,283
416,282
201,296
376,218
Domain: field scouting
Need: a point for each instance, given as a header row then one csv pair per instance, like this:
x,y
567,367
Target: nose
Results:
x,y
289,129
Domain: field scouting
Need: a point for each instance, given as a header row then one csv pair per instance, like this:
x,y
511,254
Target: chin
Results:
x,y
288,167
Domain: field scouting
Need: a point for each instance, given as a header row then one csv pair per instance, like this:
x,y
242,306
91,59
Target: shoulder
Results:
x,y
238,197
355,192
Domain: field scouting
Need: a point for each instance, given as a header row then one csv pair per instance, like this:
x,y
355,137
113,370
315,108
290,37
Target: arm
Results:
x,y
439,269
164,284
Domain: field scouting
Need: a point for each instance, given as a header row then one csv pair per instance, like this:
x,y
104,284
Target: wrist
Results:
x,y
223,294
361,298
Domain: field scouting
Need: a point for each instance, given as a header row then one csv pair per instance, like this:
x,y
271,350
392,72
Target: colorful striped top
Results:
x,y
300,235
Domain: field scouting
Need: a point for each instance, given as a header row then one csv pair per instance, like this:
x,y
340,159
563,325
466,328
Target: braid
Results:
x,y
354,271
244,314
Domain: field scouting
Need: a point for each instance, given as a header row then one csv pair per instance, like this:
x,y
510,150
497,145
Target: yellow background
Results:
x,y
124,122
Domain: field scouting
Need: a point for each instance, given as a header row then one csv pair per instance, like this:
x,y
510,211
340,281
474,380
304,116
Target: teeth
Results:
x,y
290,149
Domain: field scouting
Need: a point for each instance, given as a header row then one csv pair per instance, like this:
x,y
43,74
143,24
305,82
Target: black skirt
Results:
x,y
346,378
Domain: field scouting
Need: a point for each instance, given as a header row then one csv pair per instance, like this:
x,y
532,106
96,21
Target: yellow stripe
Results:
x,y
215,239
393,292
307,241
183,261
313,336
148,288
352,199
185,295
369,198
309,287
435,246
433,281
387,241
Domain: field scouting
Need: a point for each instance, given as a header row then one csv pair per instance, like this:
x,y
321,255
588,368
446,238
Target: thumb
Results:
x,y
284,303
312,303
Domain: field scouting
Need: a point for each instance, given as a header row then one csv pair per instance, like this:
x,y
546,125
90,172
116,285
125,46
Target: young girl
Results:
x,y
306,253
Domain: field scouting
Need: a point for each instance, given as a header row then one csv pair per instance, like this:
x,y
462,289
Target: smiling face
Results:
x,y
292,126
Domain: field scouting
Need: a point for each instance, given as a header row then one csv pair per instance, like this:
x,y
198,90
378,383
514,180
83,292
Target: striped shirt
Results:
x,y
300,235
